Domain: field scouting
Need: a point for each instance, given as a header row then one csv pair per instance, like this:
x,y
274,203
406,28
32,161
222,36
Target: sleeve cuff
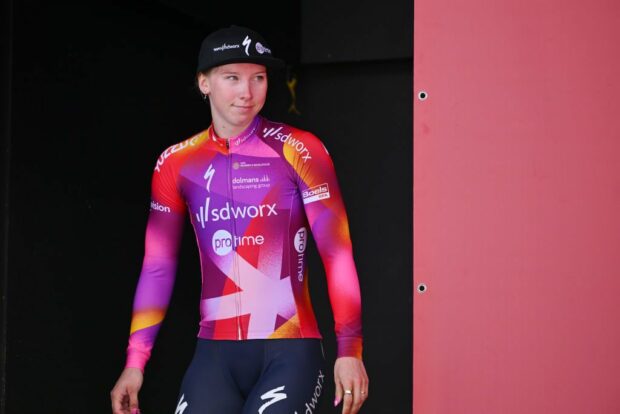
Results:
x,y
350,347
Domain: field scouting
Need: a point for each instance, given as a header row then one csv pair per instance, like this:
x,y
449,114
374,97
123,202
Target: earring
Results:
x,y
205,97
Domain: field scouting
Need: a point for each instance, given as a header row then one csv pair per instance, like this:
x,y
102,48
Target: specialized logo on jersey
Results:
x,y
209,176
299,146
158,207
223,242
175,148
181,406
227,212
274,396
246,42
316,193
318,389
301,241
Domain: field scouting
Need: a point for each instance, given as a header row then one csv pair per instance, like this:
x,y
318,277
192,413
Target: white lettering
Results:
x,y
224,47
299,146
318,389
158,207
227,212
223,242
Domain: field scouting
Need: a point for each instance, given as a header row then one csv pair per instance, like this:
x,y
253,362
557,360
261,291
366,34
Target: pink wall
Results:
x,y
516,207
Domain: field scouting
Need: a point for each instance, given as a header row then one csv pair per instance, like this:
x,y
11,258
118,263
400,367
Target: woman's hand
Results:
x,y
125,393
351,384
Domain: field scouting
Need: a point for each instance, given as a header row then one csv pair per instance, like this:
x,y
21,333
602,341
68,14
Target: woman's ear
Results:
x,y
203,83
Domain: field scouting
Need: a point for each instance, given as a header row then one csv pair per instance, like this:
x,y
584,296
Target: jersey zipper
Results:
x,y
235,266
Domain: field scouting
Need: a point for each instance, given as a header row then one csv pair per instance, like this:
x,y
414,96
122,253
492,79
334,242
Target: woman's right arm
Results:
x,y
163,237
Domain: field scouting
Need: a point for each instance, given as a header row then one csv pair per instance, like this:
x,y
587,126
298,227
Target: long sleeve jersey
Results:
x,y
254,202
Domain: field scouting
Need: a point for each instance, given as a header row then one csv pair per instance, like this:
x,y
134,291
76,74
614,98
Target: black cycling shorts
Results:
x,y
257,376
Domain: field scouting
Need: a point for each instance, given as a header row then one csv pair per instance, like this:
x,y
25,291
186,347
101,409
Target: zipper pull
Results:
x,y
227,144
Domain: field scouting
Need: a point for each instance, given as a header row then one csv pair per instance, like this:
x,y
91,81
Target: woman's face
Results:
x,y
237,93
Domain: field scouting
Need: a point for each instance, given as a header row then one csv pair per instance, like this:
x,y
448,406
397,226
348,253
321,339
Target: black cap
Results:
x,y
235,44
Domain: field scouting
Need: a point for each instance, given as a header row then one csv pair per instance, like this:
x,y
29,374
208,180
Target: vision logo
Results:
x,y
274,396
223,242
158,207
316,193
246,42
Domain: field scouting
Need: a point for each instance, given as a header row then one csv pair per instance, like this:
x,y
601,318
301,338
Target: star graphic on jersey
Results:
x,y
262,297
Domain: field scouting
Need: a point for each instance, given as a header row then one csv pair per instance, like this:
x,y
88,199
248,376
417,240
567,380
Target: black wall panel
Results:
x,y
356,30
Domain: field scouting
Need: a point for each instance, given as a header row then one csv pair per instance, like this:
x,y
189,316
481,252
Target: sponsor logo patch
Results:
x,y
316,193
223,242
206,214
159,207
300,243
251,183
289,139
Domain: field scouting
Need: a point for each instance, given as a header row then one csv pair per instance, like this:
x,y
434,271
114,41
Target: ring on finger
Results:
x,y
349,392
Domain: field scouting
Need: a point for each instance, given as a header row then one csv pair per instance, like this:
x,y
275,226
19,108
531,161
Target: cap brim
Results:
x,y
267,61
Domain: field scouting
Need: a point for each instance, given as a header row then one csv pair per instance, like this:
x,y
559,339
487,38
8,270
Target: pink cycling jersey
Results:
x,y
253,201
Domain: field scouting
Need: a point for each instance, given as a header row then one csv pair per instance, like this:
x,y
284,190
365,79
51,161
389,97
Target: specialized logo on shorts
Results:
x,y
223,242
316,193
299,146
318,389
227,212
274,395
181,406
158,207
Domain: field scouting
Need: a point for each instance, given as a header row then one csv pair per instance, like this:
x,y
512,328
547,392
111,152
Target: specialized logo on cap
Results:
x,y
246,42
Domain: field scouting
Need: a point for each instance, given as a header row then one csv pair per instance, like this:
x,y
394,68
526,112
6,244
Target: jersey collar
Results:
x,y
239,139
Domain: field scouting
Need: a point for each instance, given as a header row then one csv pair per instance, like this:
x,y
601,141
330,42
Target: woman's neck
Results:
x,y
226,131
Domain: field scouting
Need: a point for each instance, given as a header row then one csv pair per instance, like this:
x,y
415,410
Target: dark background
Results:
x,y
92,92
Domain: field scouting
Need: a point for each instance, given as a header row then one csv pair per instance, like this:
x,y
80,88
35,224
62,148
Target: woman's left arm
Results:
x,y
325,209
